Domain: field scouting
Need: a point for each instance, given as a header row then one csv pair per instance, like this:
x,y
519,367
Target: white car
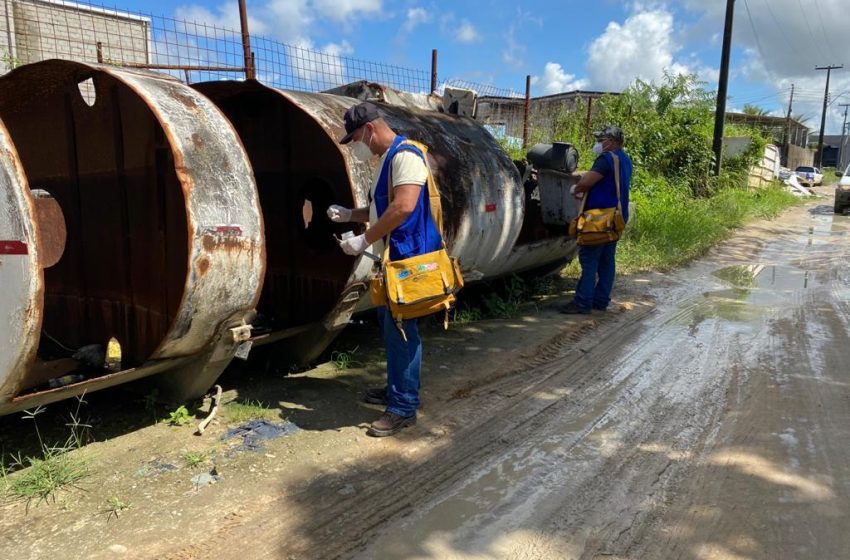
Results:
x,y
811,176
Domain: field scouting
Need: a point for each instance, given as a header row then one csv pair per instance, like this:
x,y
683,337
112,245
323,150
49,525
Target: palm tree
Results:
x,y
755,110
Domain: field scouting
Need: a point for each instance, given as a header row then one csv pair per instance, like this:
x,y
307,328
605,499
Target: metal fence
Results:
x,y
33,30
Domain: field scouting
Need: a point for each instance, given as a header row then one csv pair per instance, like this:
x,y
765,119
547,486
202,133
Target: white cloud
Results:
x,y
783,44
466,33
414,18
642,47
342,10
556,80
514,52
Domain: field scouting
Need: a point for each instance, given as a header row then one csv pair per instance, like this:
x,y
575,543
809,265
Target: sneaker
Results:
x,y
376,396
600,308
389,424
573,309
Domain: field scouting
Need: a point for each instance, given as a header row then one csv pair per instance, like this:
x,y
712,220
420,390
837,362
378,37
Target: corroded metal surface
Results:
x,y
483,199
170,152
21,287
370,91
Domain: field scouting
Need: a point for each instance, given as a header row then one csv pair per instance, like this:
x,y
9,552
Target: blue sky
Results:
x,y
571,44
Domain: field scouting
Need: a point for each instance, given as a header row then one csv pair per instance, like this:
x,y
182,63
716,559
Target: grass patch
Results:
x,y
194,458
39,477
249,410
668,230
114,507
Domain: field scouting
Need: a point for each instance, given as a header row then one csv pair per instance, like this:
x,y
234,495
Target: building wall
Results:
x,y
44,29
798,156
542,114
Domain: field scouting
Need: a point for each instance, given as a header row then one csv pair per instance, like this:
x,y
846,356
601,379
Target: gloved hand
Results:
x,y
354,245
339,213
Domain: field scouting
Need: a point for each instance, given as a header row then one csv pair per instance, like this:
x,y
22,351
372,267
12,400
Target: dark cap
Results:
x,y
615,133
356,117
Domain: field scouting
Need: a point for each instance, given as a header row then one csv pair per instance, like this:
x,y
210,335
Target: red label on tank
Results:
x,y
13,248
490,207
229,230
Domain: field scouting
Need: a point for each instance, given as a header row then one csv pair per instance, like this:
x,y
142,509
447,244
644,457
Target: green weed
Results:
x,y
38,478
114,507
345,360
466,315
179,417
194,458
250,410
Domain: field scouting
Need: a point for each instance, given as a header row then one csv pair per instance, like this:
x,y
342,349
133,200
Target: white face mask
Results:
x,y
597,148
362,150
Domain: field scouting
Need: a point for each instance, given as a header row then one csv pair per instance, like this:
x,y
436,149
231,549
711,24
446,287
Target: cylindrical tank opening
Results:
x,y
93,144
299,172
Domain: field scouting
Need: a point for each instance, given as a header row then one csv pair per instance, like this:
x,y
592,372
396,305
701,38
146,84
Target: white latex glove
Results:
x,y
339,213
354,246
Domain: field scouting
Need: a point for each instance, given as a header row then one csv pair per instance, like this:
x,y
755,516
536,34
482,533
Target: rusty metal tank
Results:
x,y
493,223
128,209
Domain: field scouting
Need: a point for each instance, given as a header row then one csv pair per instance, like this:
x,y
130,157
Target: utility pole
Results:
x,y
723,85
829,70
843,133
788,127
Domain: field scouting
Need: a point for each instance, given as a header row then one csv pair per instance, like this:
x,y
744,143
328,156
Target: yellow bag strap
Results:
x,y
433,195
617,180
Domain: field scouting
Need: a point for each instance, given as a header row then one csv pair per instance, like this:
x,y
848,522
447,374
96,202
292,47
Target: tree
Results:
x,y
755,111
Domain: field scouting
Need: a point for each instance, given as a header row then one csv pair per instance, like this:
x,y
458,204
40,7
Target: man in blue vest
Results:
x,y
598,185
406,219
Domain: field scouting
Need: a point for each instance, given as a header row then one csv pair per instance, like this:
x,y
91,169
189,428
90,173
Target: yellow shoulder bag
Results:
x,y
601,225
420,285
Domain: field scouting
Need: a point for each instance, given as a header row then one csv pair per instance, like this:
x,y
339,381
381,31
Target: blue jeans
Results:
x,y
404,362
597,275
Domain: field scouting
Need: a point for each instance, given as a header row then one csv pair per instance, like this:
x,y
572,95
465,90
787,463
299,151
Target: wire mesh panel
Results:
x,y
33,30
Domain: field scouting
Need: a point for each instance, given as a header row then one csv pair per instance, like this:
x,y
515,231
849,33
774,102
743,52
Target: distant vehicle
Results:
x,y
842,192
811,176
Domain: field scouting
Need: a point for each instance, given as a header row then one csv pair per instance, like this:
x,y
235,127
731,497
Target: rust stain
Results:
x,y
203,266
197,141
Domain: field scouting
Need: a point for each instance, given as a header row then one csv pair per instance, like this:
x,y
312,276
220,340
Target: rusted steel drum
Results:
x,y
150,214
311,288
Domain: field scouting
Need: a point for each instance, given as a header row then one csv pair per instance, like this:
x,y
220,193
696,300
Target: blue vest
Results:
x,y
418,234
604,193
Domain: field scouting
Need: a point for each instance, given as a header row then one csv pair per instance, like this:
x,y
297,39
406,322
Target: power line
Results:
x,y
823,28
809,27
756,36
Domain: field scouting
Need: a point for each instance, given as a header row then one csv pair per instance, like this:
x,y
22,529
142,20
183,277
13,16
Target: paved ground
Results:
x,y
706,417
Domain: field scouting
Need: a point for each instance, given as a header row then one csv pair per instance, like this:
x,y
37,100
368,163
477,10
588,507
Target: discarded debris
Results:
x,y
205,479
255,431
216,400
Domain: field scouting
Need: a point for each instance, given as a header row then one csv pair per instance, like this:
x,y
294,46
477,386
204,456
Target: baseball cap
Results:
x,y
357,116
613,132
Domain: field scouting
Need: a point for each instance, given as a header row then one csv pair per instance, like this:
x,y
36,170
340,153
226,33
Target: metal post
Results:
x,y
723,86
433,70
525,116
99,52
589,115
843,133
829,70
250,70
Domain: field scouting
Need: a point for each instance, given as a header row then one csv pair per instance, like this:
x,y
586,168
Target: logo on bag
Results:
x,y
427,267
403,274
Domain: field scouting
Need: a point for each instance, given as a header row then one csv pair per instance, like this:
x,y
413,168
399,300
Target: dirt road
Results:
x,y
707,419
717,428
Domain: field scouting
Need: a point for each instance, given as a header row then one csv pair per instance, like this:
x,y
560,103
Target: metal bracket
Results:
x,y
241,333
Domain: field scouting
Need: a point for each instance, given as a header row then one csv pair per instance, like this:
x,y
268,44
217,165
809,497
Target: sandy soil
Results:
x,y
706,417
